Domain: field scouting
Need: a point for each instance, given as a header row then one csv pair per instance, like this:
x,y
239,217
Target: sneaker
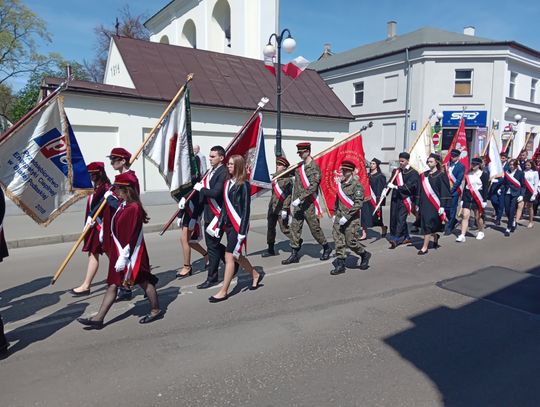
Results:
x,y
460,238
530,225
480,236
507,232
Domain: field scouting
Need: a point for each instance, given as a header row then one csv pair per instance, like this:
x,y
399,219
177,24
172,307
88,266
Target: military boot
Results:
x,y
339,267
293,258
364,263
270,251
327,250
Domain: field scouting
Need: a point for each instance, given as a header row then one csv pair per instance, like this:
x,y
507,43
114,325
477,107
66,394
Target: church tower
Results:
x,y
238,27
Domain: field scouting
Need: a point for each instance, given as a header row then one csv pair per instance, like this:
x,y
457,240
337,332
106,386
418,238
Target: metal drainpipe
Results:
x,y
407,99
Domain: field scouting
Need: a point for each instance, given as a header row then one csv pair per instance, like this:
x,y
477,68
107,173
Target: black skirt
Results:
x,y
468,201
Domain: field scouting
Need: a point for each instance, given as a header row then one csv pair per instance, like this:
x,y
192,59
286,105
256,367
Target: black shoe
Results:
x,y
497,222
180,276
364,264
151,318
293,258
327,251
507,233
436,244
393,244
384,231
124,295
421,253
254,287
91,323
207,284
214,300
79,293
269,252
339,267
447,232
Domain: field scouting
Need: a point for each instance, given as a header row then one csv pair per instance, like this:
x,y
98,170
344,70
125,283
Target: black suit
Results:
x,y
216,250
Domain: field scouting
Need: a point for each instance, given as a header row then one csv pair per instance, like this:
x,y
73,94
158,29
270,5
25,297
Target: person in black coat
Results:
x,y
211,202
234,219
434,197
377,183
3,253
514,189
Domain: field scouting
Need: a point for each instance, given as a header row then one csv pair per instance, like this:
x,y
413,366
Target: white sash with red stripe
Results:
x,y
432,196
373,200
214,207
406,201
278,191
345,200
475,192
136,256
315,196
512,180
452,178
528,184
234,217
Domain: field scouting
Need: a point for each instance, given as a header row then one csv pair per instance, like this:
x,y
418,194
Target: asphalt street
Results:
x,y
388,336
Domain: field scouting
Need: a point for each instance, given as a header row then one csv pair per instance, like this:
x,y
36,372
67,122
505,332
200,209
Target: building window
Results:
x,y
359,94
533,90
512,90
390,88
463,83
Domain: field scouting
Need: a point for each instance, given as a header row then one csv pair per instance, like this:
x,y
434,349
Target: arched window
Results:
x,y
164,39
220,36
189,35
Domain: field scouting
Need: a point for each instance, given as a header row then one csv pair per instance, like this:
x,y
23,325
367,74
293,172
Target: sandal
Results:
x,y
184,275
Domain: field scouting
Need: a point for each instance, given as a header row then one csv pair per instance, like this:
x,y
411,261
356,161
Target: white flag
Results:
x,y
421,151
518,143
495,166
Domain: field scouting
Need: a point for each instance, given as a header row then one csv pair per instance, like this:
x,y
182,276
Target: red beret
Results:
x,y
126,179
120,152
348,165
282,161
96,166
303,146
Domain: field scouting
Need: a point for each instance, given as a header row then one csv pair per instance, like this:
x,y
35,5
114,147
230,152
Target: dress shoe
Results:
x,y
83,293
214,300
421,252
90,323
180,276
327,250
207,284
364,263
269,252
151,318
393,244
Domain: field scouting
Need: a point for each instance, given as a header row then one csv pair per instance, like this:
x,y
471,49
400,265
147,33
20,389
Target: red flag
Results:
x,y
459,142
295,68
330,164
269,64
536,153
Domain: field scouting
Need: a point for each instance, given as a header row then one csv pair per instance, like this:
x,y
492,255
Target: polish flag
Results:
x,y
269,64
295,68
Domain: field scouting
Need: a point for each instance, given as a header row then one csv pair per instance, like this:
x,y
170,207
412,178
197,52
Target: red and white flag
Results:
x,y
269,64
295,68
459,142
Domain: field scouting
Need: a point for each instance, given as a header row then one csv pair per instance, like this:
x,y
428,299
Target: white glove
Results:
x,y
178,222
101,235
499,192
296,202
284,215
107,194
484,204
192,223
342,220
198,186
494,181
440,211
391,186
236,251
461,203
89,222
520,199
182,203
217,232
533,198
121,264
334,219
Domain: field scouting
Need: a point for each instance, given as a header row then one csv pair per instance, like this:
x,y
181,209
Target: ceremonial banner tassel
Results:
x,y
178,95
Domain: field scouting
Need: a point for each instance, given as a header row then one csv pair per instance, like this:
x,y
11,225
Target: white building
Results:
x,y
396,83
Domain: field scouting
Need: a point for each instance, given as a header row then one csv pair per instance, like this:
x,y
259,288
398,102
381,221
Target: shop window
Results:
x,y
534,82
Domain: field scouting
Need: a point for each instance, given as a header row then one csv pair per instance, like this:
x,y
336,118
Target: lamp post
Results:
x,y
288,44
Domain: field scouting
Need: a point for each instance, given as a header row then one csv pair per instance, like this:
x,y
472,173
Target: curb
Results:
x,y
72,237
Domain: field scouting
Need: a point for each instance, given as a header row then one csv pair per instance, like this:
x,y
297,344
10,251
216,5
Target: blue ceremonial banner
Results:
x,y
473,118
42,168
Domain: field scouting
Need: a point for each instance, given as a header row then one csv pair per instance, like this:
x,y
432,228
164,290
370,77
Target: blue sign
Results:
x,y
413,125
473,118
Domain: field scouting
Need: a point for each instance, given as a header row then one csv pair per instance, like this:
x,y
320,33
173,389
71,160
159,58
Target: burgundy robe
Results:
x,y
91,240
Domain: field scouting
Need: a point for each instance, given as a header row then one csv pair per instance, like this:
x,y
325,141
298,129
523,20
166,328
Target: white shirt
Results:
x,y
532,178
476,181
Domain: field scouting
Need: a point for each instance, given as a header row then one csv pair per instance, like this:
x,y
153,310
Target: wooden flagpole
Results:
x,y
133,158
260,105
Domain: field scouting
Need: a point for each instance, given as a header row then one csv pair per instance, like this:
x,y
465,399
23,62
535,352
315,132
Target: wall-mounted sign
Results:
x,y
413,125
473,118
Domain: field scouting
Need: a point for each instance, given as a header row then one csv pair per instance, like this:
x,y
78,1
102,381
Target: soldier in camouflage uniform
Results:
x,y
305,206
279,206
346,228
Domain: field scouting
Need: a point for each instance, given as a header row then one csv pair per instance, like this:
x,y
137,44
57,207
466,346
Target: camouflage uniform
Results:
x,y
348,235
306,209
276,206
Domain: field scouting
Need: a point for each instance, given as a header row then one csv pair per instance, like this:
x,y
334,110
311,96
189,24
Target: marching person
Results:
x,y
522,160
474,199
211,203
4,344
513,193
496,190
305,203
346,220
92,239
377,183
455,171
128,259
434,197
405,189
279,206
531,189
234,219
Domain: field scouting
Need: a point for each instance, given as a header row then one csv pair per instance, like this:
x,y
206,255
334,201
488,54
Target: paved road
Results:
x,y
388,336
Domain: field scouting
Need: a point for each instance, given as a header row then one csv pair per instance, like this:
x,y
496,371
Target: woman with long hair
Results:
x,y
128,259
92,240
514,188
377,182
474,199
234,219
531,189
434,197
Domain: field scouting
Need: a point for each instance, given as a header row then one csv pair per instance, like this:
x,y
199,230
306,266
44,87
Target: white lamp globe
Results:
x,y
517,117
289,45
440,115
269,51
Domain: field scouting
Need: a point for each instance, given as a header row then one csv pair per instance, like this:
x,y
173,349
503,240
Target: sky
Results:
x,y
345,24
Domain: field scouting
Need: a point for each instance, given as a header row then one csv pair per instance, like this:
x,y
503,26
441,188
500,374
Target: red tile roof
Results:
x,y
220,80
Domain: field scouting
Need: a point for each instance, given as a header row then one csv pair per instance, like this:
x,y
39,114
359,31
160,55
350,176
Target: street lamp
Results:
x,y
288,44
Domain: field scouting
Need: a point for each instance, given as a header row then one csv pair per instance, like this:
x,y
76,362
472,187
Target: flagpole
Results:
x,y
491,134
260,105
133,158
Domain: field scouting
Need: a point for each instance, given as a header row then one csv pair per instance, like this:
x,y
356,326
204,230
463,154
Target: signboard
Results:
x,y
413,125
473,118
